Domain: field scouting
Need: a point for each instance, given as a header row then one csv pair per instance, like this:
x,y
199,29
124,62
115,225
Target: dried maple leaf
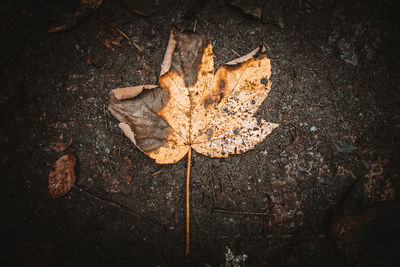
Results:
x,y
63,178
194,108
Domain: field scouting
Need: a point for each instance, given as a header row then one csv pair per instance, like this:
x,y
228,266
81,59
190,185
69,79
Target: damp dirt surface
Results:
x,y
321,190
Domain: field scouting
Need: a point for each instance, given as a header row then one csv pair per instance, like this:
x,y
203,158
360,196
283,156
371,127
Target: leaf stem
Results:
x,y
188,202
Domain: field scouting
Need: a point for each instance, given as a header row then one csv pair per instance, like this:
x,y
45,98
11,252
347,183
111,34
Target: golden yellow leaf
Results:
x,y
194,108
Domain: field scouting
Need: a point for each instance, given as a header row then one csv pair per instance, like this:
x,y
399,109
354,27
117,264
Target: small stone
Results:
x,y
264,81
313,129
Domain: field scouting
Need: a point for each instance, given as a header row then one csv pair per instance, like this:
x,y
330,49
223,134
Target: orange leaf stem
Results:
x,y
188,202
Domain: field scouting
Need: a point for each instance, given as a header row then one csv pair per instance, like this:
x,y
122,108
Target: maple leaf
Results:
x,y
193,107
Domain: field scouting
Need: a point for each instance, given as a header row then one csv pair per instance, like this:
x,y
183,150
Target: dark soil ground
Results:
x,y
321,190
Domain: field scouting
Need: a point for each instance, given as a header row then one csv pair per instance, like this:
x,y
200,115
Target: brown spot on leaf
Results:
x,y
221,84
221,91
207,102
187,55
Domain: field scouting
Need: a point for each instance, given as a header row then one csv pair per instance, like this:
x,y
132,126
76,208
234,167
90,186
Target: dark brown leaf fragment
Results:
x,y
63,178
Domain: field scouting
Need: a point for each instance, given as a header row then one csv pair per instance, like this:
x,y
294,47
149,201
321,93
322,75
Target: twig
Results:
x,y
212,188
137,215
156,173
195,24
265,44
295,238
295,137
224,211
300,130
105,115
236,53
109,163
223,194
122,208
119,152
243,36
318,104
122,33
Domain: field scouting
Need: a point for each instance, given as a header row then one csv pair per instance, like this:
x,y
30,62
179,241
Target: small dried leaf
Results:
x,y
62,179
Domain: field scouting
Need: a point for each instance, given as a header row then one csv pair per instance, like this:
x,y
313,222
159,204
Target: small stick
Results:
x,y
137,215
119,152
295,139
224,211
318,104
300,130
212,187
123,34
195,24
243,36
105,116
236,53
127,37
156,173
223,194
187,202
